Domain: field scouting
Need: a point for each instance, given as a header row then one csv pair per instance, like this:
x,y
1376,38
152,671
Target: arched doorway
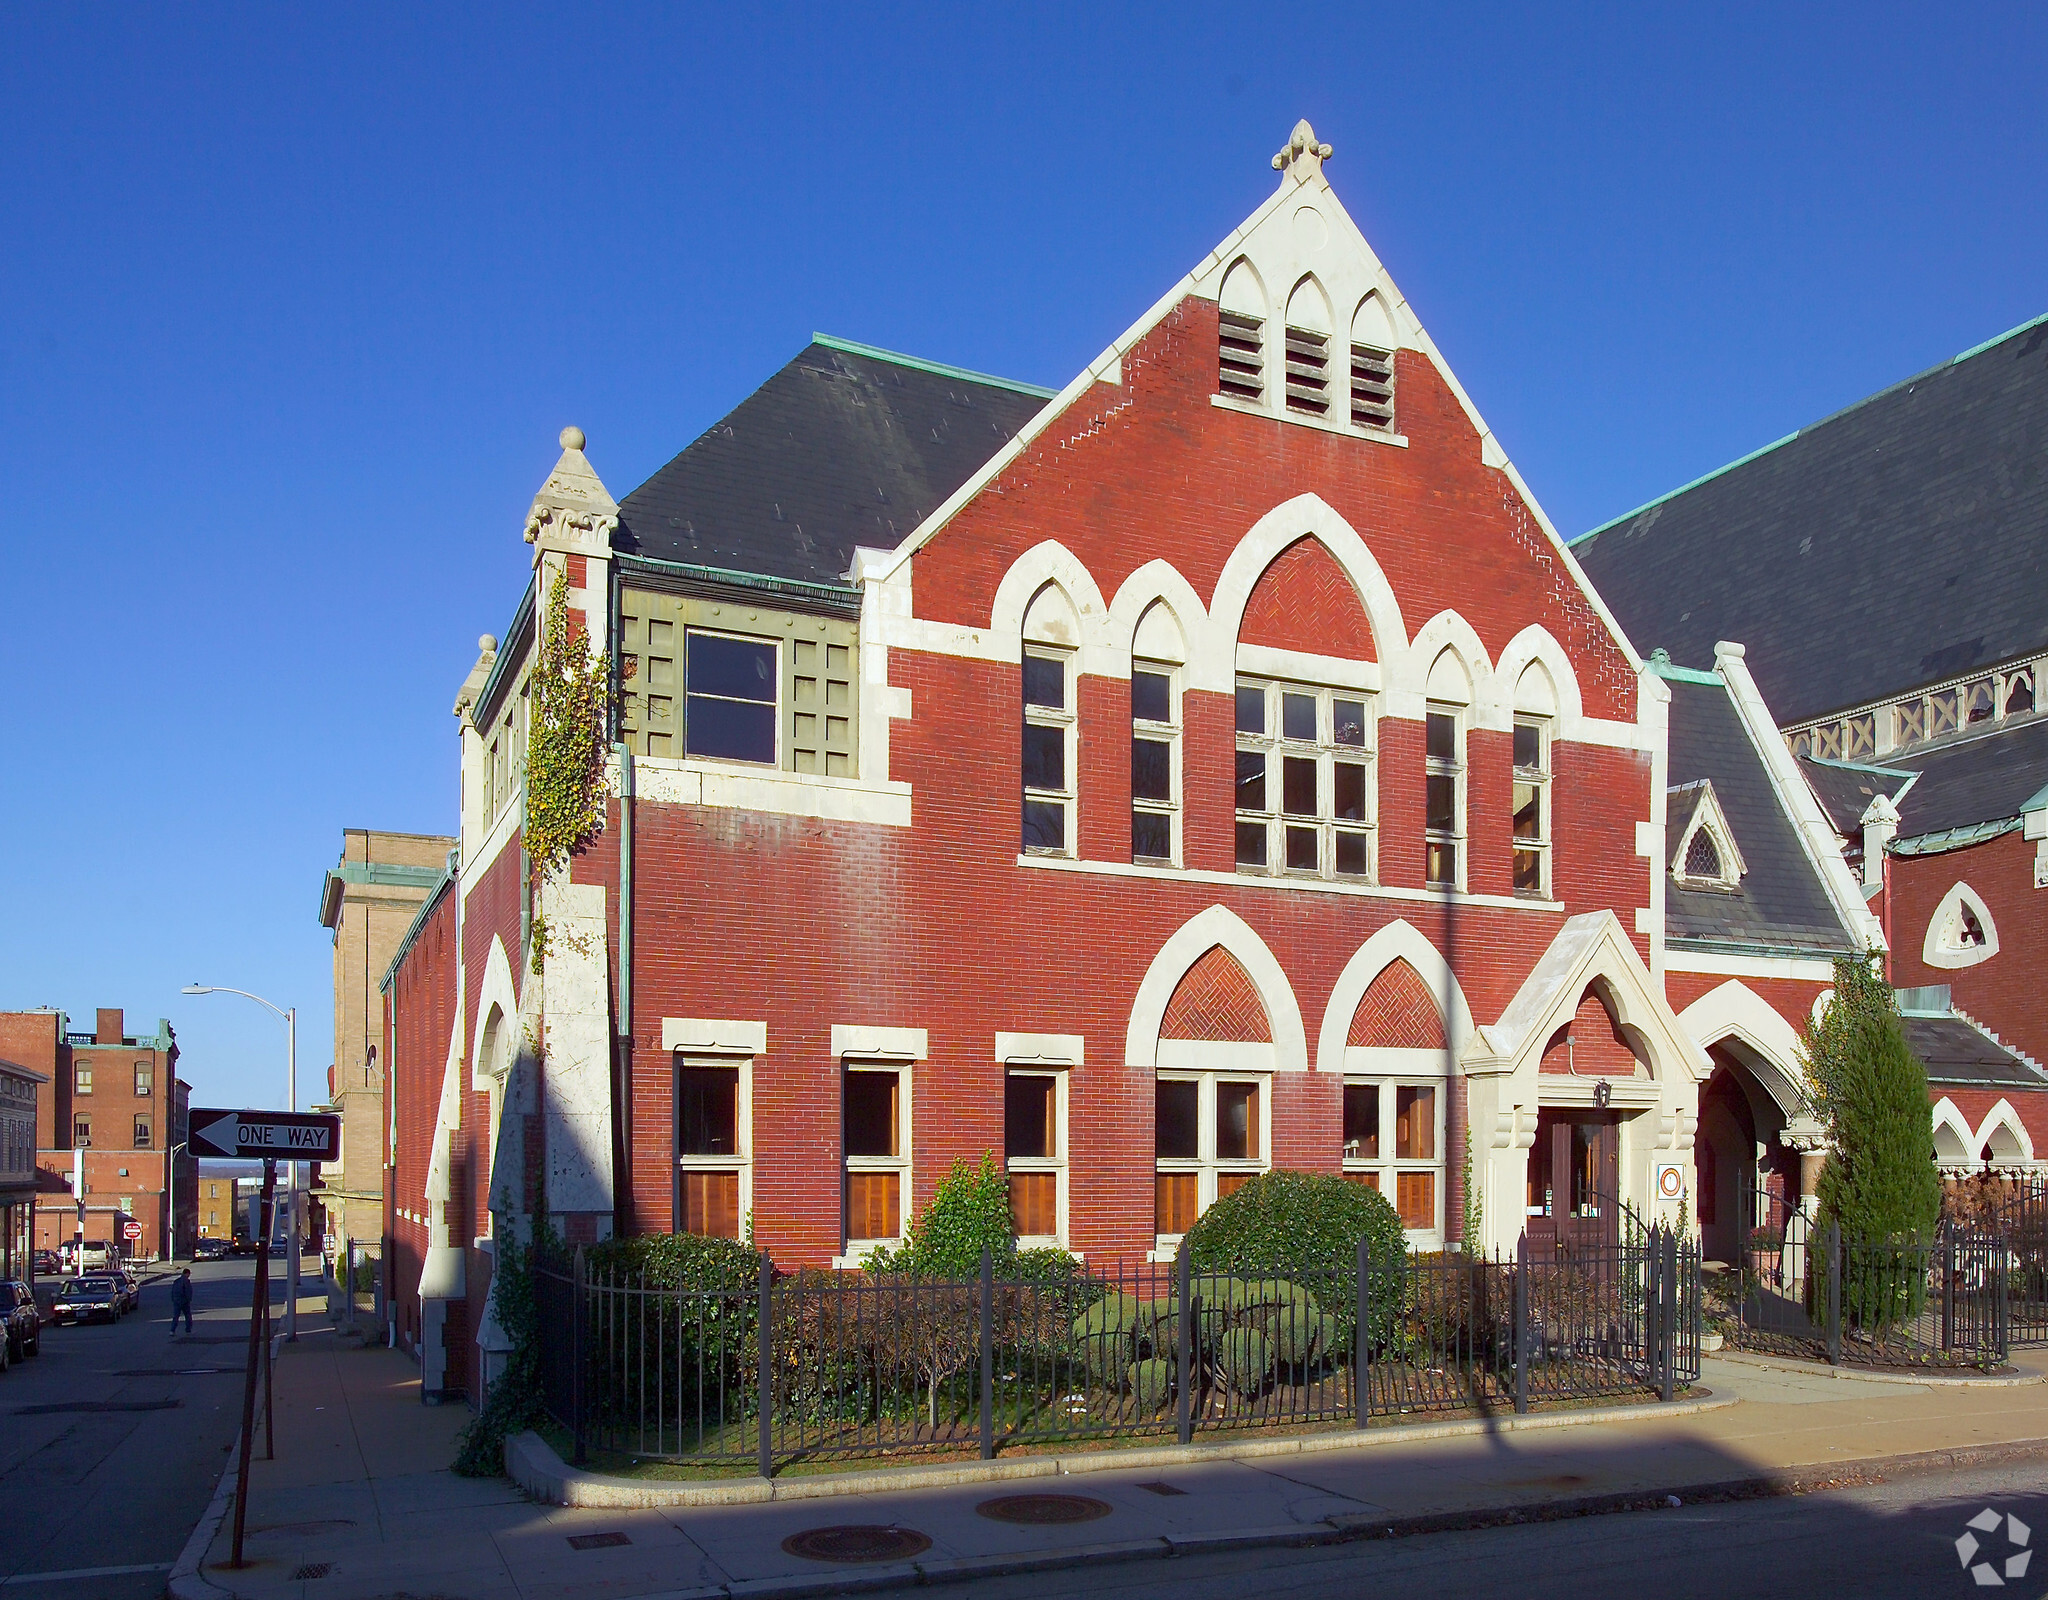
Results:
x,y
1747,1174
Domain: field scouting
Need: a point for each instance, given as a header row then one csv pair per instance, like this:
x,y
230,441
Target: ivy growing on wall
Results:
x,y
565,746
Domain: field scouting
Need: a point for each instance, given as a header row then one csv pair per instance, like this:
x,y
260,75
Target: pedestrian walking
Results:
x,y
181,1301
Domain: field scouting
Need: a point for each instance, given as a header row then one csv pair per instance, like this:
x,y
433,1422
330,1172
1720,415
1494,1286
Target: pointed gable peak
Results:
x,y
573,511
1301,158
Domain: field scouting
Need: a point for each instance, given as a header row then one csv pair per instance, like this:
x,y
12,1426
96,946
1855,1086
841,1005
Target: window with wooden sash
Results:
x,y
81,1130
1444,796
82,1082
142,1133
1209,1139
1155,764
144,1077
875,1101
1308,372
1035,1151
1532,807
1372,388
1305,796
1048,752
1393,1142
721,681
711,1184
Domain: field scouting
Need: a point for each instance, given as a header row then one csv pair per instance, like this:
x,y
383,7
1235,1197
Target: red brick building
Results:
x,y
1217,765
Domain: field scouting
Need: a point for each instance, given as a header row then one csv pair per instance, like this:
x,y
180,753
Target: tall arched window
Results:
x,y
1308,350
1157,652
1051,632
1450,696
1240,335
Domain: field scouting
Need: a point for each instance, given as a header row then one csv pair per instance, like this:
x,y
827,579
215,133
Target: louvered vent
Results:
x,y
1240,365
1308,372
1372,388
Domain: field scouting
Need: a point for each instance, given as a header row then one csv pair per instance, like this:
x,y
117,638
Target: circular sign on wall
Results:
x,y
1670,1180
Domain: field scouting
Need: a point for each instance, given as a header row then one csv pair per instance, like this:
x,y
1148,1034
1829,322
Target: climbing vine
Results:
x,y
565,746
516,1400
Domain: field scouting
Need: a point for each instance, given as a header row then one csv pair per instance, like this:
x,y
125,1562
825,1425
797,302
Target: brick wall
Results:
x,y
2004,993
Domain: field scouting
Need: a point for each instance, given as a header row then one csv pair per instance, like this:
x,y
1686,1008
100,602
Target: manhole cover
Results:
x,y
597,1541
857,1543
97,1405
312,1570
1161,1488
1039,1509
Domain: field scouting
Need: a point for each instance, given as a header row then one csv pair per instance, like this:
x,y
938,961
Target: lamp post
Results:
x,y
171,1181
290,1014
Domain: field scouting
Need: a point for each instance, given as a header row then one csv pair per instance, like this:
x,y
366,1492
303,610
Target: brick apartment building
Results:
x,y
368,899
118,1096
20,1088
1925,738
1219,764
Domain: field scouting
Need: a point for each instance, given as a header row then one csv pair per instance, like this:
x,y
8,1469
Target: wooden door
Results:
x,y
1574,1181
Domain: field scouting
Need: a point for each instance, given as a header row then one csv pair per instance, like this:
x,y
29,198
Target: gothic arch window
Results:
x,y
1051,633
1961,932
1240,335
1308,350
1211,1117
1705,855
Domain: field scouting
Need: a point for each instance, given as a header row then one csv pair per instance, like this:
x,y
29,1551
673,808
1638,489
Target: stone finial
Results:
x,y
1302,158
487,644
573,512
572,438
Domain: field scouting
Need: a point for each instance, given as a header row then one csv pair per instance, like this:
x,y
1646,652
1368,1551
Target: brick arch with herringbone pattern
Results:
x,y
1216,1000
1397,1012
1304,601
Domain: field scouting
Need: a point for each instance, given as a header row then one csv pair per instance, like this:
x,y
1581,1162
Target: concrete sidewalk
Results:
x,y
359,1503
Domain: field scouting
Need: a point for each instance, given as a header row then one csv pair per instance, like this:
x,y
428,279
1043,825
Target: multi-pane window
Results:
x,y
1304,780
1048,753
1444,797
1209,1138
1393,1142
709,1154
1532,807
877,1152
729,685
1155,765
81,1130
142,1133
143,1079
82,1083
1033,1151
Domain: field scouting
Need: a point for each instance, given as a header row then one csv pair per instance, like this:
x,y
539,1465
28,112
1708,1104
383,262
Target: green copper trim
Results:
x,y
938,367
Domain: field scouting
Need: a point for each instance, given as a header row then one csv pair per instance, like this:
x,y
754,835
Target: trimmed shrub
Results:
x,y
1307,1225
969,1210
1150,1382
677,1261
1104,1335
1244,1356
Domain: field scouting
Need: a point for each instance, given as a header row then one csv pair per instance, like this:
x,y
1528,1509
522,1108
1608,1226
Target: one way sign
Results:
x,y
277,1135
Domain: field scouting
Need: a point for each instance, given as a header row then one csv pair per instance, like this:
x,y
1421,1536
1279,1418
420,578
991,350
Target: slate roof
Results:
x,y
1845,789
1782,903
1925,506
1955,1051
1986,779
844,446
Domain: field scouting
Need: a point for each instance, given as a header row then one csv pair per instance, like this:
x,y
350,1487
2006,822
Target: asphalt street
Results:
x,y
1892,1539
114,1437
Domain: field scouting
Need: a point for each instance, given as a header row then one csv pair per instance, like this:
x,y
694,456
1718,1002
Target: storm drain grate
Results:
x,y
857,1542
1161,1488
597,1541
97,1405
312,1570
1037,1510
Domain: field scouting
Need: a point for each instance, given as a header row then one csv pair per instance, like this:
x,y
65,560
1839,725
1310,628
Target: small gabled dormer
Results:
x,y
1705,856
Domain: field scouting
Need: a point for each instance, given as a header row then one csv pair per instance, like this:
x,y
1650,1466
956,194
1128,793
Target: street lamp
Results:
x,y
290,1014
171,1178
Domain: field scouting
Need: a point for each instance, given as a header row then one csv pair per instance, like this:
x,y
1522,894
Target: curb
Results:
x,y
533,1465
1931,1379
187,1582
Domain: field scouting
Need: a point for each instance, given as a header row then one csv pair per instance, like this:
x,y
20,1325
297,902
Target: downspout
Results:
x,y
622,1052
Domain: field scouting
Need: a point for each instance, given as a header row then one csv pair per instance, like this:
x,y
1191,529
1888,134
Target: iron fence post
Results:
x,y
576,1311
1185,1343
1361,1358
988,1354
1835,1293
1667,1273
2001,1310
1948,1287
1522,1324
764,1370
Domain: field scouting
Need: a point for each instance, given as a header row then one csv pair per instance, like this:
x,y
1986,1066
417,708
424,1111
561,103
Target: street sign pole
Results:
x,y
259,1327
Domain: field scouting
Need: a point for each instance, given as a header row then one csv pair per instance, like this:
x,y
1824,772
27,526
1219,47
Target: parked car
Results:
x,y
130,1286
19,1318
48,1261
93,1299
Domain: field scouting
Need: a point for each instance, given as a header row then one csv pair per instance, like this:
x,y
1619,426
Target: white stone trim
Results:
x,y
1947,1115
1226,402
1302,666
865,1043
1387,1061
714,1036
1736,1011
1050,562
2003,1115
499,989
693,781
1294,885
1935,953
1708,817
1039,1049
1215,1055
1397,941
1157,582
1814,969
1218,925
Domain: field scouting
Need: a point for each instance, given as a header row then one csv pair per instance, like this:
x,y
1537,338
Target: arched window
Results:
x,y
1450,696
1157,652
1961,932
1051,633
1372,366
1240,335
1706,856
1535,723
1308,350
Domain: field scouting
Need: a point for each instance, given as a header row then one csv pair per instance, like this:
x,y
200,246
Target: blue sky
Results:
x,y
296,303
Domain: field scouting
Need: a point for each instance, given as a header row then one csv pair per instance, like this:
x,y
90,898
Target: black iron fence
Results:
x,y
860,1366
1945,1299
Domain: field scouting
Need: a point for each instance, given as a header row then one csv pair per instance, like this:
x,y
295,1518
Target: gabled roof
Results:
x,y
846,445
1973,782
1846,788
1925,505
1782,903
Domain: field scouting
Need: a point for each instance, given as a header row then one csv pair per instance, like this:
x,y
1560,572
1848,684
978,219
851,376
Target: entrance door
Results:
x,y
1575,1180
